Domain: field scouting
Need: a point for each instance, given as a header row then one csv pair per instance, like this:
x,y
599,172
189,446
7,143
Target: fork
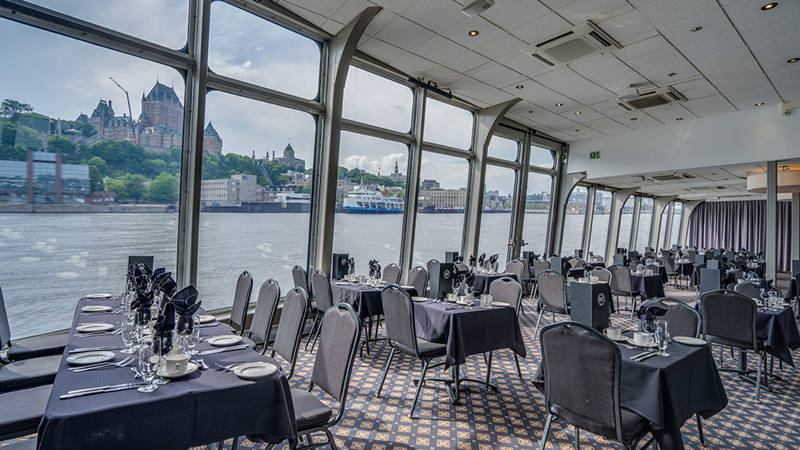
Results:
x,y
101,333
122,363
226,368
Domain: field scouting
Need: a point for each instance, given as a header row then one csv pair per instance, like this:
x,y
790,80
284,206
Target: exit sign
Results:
x,y
594,155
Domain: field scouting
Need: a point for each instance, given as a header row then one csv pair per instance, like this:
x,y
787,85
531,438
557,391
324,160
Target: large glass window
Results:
x,y
662,235
498,199
645,220
249,48
441,204
542,157
537,211
602,214
370,199
255,194
503,148
626,223
373,99
574,217
447,125
161,22
676,224
77,125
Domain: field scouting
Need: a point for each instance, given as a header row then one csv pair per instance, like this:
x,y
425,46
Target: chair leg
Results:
x,y
758,378
700,430
536,331
516,360
316,336
235,443
313,328
419,387
577,438
489,368
386,370
331,441
546,431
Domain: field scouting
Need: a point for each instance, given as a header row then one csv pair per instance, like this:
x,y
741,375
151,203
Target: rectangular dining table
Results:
x,y
482,281
204,407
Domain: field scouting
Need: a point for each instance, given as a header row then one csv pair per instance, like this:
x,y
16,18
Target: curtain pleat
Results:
x,y
741,224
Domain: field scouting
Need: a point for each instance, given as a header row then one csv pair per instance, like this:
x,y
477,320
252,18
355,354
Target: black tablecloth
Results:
x,y
366,300
650,286
206,406
684,269
468,331
577,272
482,281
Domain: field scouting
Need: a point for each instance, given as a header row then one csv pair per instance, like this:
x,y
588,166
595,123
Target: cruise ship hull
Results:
x,y
362,210
268,207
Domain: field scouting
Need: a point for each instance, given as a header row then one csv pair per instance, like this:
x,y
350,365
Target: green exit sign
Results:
x,y
594,155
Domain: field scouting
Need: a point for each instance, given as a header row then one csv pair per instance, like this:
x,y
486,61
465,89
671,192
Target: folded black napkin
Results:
x,y
472,261
167,285
143,299
374,268
185,301
493,259
351,265
481,259
166,319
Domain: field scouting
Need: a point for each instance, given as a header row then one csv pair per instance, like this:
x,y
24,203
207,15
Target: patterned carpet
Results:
x,y
513,417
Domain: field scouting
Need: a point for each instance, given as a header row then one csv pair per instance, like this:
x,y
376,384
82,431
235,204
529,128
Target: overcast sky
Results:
x,y
62,77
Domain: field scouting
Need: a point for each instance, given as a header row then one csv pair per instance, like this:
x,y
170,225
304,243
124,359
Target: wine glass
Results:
x,y
662,337
191,337
148,364
129,333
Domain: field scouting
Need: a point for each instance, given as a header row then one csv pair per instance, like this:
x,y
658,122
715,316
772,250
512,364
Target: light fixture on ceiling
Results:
x,y
672,74
577,113
530,112
634,119
695,29
759,104
520,86
559,105
788,178
473,33
477,7
679,118
577,130
792,60
769,6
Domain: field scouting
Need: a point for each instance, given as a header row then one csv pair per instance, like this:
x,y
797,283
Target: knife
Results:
x,y
647,356
96,349
101,390
226,349
642,356
98,388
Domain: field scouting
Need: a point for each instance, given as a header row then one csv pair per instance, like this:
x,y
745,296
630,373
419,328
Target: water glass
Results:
x,y
192,337
129,333
662,337
148,365
486,300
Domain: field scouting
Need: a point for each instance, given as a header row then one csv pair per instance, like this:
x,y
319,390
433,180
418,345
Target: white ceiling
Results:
x,y
738,59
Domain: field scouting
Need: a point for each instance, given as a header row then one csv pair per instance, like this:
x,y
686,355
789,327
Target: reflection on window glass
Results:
x,y
542,157
157,21
246,47
372,99
645,220
255,195
78,128
441,204
574,216
625,223
663,228
370,200
602,214
447,125
500,147
498,199
537,212
676,224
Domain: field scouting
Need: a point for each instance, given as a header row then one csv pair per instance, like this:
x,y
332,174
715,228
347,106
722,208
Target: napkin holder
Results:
x,y
590,304
442,276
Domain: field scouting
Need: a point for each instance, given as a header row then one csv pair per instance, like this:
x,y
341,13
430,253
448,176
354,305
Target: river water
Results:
x,y
50,260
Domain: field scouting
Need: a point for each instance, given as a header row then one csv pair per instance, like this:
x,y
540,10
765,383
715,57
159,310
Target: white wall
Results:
x,y
735,138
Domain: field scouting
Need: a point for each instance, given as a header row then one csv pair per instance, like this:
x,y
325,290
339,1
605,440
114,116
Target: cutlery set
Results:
x,y
105,365
102,333
99,390
222,350
644,355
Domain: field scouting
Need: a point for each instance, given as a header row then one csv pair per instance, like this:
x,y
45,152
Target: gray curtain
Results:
x,y
740,224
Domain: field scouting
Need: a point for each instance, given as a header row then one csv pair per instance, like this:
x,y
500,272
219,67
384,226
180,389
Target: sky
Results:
x,y
62,77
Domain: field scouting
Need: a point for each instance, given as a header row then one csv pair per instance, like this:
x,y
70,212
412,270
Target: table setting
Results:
x,y
648,283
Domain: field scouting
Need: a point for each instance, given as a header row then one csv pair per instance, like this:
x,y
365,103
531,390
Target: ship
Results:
x,y
360,201
285,202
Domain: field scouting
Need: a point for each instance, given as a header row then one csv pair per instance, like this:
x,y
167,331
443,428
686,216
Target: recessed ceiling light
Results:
x,y
530,112
559,105
577,130
769,6
695,28
520,86
633,119
672,74
759,104
792,60
577,113
473,33
679,118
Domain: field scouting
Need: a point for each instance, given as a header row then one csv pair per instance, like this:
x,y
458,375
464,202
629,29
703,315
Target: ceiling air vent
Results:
x,y
650,97
582,41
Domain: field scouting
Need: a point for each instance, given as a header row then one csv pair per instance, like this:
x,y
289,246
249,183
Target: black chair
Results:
x,y
264,315
683,319
391,273
418,277
570,352
290,327
517,268
333,365
241,301
669,267
22,411
729,320
552,292
748,290
27,348
430,263
602,275
29,373
321,285
621,285
401,333
508,290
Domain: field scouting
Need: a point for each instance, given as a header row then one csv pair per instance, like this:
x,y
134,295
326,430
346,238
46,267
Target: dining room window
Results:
x,y
626,223
503,148
574,218
664,229
375,100
645,222
538,204
447,124
677,216
600,220
542,157
498,200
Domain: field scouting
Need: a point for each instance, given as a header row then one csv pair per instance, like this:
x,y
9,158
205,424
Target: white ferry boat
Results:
x,y
359,201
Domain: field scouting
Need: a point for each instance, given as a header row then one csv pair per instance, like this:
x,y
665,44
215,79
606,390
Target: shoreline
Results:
x,y
72,208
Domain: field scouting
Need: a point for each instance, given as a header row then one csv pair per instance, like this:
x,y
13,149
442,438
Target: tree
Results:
x,y
99,163
60,144
115,186
9,107
134,186
18,135
163,189
95,179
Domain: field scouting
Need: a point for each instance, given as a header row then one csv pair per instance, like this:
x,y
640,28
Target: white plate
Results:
x,y
81,359
343,283
689,340
190,367
94,327
206,318
225,340
95,308
501,304
99,296
619,339
419,299
651,344
254,370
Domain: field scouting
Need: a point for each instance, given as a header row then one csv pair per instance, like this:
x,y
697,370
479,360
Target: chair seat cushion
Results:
x,y
633,425
427,349
29,373
309,412
36,346
22,410
734,342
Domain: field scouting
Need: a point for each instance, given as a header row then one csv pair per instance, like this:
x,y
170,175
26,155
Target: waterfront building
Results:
x,y
443,199
236,189
43,178
289,161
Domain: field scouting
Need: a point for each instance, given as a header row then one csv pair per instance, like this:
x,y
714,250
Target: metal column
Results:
x,y
772,221
412,182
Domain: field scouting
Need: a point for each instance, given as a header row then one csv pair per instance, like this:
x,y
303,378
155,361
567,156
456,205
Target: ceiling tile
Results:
x,y
398,6
544,97
608,126
541,29
555,4
786,74
721,62
379,22
349,10
480,91
626,26
642,48
657,60
331,26
745,100
609,72
326,8
711,45
739,79
510,14
771,28
586,115
568,82
502,46
748,12
642,120
486,30
404,34
668,113
525,64
713,22
696,88
496,75
443,76
673,74
435,15
412,64
599,10
790,90
450,54
380,50
667,12
709,106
